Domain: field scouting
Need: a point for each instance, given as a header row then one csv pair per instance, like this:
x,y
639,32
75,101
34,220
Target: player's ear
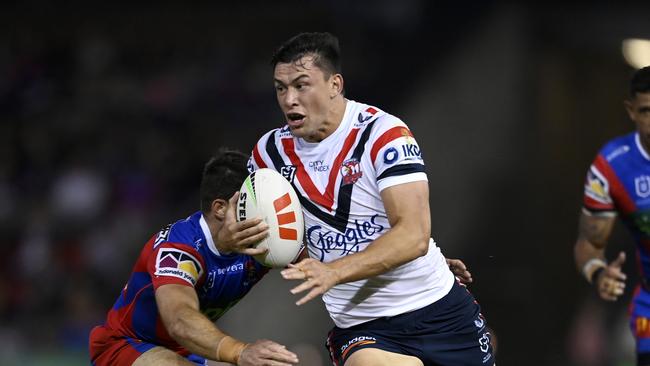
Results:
x,y
336,85
219,207
629,107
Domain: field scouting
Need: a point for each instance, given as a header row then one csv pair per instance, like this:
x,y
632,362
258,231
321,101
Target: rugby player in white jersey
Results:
x,y
361,180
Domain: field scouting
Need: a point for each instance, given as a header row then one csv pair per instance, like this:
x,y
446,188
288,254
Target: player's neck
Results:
x,y
333,120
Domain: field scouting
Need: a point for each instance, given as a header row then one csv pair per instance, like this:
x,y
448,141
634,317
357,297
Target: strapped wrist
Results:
x,y
229,349
592,268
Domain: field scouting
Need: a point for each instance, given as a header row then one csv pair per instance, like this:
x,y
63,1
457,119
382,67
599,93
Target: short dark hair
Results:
x,y
223,175
640,82
324,46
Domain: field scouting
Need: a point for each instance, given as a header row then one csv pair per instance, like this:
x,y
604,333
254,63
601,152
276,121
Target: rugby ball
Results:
x,y
267,194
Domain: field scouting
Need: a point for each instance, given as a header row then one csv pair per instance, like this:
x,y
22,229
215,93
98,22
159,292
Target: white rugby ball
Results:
x,y
268,195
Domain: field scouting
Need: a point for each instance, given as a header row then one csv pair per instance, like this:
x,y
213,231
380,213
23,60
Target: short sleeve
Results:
x,y
597,198
173,263
395,154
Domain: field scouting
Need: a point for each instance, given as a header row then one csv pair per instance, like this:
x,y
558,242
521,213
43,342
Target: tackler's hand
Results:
x,y
240,236
459,270
610,282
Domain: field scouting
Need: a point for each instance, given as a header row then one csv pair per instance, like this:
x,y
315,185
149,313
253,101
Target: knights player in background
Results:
x,y
618,183
187,276
361,181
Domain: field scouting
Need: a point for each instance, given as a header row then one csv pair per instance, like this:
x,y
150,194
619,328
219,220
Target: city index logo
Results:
x,y
285,218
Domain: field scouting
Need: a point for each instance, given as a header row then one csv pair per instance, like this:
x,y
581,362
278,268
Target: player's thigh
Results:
x,y
160,356
379,357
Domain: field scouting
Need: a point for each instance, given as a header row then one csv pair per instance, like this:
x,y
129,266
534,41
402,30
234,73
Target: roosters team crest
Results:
x,y
351,171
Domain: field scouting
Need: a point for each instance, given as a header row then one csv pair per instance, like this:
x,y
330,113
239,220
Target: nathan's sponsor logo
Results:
x,y
318,166
411,151
642,186
351,171
597,187
162,235
288,172
355,342
325,241
390,155
177,263
237,267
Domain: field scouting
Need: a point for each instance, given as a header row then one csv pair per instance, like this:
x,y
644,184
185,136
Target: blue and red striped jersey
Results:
x,y
182,253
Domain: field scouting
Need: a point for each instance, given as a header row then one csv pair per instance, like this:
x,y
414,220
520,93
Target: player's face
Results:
x,y
638,108
305,96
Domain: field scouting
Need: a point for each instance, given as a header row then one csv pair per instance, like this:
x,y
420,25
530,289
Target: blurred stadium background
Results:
x,y
108,112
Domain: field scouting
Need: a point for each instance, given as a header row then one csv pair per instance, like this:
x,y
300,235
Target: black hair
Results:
x,y
324,46
223,175
640,82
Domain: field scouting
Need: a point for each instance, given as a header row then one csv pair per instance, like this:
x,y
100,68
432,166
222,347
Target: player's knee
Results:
x,y
378,357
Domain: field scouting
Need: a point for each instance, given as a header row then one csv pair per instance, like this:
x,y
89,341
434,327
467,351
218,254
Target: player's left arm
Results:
x,y
407,207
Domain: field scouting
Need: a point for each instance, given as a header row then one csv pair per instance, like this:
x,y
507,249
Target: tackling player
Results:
x,y
361,180
618,183
186,277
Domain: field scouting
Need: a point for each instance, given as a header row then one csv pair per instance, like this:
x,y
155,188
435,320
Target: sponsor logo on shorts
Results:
x,y
479,322
177,263
484,342
356,342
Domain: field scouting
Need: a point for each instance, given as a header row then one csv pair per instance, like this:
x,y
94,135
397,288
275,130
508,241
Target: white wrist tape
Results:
x,y
591,266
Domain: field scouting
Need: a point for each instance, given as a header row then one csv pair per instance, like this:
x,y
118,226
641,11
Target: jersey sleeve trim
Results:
x,y
402,169
599,213
388,136
401,179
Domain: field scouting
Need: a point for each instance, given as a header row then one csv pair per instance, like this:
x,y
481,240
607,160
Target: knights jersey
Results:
x,y
339,181
618,182
182,253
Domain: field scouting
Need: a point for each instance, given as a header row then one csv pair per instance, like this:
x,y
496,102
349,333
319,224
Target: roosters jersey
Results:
x,y
618,182
182,253
339,181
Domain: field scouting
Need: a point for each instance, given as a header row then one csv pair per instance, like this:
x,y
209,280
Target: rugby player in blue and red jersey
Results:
x,y
186,277
618,183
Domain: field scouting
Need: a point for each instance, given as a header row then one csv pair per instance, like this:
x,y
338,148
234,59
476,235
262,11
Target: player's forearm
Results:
x,y
584,251
401,244
200,336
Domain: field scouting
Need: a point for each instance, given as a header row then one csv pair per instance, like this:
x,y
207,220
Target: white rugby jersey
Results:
x,y
339,181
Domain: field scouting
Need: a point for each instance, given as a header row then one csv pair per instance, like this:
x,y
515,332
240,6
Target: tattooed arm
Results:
x,y
589,254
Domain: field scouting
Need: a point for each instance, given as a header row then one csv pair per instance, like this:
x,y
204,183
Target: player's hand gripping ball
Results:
x,y
267,194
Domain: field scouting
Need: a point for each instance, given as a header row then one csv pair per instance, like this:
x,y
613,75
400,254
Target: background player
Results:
x,y
618,182
361,180
186,277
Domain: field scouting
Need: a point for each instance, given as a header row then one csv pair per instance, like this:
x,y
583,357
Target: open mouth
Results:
x,y
295,119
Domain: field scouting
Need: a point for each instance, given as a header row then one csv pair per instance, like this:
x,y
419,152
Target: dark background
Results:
x,y
108,113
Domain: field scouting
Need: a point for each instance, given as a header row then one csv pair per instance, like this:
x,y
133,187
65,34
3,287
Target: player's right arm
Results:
x,y
596,223
178,306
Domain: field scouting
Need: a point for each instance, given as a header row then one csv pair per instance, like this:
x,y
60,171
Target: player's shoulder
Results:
x,y
182,233
276,134
618,147
366,114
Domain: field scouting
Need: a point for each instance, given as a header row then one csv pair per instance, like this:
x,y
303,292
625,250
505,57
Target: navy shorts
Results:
x,y
449,332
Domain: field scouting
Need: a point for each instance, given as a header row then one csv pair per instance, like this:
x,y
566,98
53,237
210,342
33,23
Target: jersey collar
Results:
x,y
208,236
639,146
